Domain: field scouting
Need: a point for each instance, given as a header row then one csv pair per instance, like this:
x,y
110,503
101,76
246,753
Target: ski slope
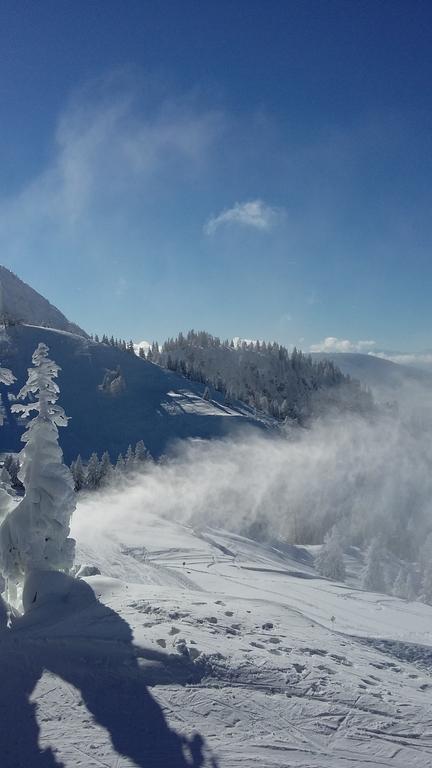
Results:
x,y
202,648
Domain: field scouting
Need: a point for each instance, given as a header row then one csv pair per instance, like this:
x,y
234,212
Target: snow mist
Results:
x,y
369,476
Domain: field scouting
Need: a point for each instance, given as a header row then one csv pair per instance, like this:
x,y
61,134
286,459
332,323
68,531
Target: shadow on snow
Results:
x,y
89,646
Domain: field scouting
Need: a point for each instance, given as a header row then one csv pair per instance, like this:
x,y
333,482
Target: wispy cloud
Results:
x,y
333,344
114,147
252,213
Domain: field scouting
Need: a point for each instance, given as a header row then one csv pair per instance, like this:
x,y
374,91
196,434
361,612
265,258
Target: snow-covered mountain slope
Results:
x,y
21,303
114,398
384,377
205,649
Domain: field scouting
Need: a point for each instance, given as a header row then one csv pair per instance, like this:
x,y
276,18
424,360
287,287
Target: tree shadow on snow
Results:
x,y
88,645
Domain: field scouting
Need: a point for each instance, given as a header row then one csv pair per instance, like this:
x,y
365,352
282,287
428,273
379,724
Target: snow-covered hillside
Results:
x,y
114,398
387,379
202,648
21,303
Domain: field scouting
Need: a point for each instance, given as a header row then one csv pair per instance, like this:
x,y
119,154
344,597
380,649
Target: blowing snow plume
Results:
x,y
370,478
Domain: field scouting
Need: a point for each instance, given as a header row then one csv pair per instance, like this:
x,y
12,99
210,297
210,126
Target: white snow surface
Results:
x,y
203,648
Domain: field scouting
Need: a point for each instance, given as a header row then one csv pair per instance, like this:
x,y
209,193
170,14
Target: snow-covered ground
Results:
x,y
202,648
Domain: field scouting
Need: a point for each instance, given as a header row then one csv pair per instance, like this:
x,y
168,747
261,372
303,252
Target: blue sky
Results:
x,y
257,169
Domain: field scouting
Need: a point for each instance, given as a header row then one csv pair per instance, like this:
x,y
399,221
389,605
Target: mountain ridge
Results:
x,y
20,303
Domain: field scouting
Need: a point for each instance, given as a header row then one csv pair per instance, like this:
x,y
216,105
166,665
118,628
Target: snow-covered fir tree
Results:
x,y
329,562
120,464
404,585
78,473
374,577
426,585
130,459
141,453
425,556
266,373
93,473
105,469
35,534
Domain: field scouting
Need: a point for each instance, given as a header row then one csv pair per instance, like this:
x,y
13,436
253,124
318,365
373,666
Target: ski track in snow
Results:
x,y
206,649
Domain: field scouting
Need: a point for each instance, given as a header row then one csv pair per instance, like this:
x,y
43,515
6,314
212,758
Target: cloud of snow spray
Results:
x,y
373,474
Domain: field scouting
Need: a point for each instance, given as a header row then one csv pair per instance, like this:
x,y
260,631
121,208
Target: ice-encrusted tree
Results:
x,y
329,562
374,573
35,534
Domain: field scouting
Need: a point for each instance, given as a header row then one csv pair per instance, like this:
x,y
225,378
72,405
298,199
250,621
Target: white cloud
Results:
x,y
333,344
253,213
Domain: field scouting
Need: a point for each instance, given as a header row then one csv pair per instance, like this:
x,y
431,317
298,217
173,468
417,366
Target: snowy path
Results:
x,y
205,649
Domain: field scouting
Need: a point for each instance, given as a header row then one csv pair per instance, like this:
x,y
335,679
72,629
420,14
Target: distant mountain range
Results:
x,y
386,379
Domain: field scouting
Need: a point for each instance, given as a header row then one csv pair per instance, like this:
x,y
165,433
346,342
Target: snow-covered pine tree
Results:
x,y
141,453
105,469
426,587
404,585
93,473
374,573
129,459
120,465
264,403
35,534
329,562
78,473
425,556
